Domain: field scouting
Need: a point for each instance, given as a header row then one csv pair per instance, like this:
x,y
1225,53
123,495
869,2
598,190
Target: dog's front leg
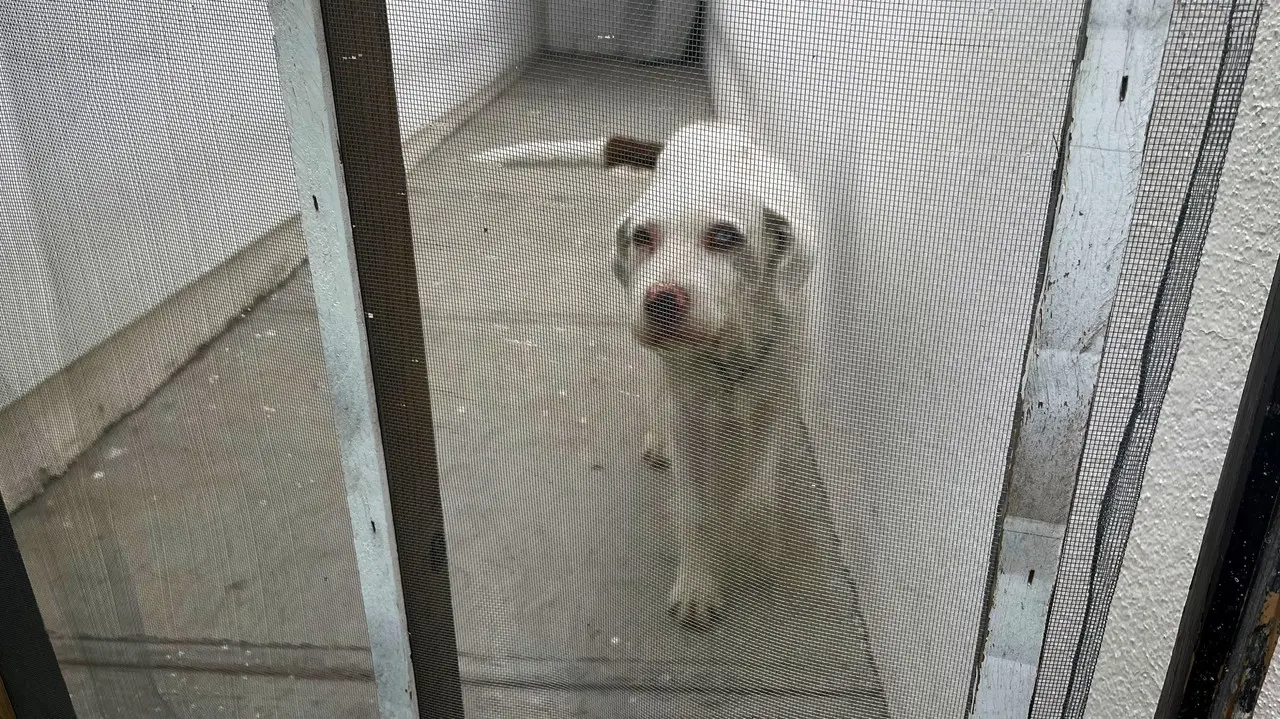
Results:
x,y
697,514
657,441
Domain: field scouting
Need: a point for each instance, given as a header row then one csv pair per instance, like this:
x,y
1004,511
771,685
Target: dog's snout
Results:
x,y
665,306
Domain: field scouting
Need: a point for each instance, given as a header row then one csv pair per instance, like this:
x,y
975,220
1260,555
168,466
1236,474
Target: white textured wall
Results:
x,y
638,29
447,50
1269,701
1200,408
142,144
153,140
929,132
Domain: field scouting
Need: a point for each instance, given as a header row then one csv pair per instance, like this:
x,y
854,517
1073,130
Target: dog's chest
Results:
x,y
730,428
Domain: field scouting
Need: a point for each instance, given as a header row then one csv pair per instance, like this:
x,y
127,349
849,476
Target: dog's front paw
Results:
x,y
695,599
656,453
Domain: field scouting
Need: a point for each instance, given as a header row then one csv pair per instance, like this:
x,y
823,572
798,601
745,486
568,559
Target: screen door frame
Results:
x,y
336,76
29,672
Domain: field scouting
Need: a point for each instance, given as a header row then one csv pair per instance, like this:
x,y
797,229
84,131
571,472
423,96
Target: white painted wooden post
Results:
x,y
1114,91
308,101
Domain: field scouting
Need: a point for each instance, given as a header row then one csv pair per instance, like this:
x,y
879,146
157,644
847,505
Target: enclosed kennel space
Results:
x,y
206,451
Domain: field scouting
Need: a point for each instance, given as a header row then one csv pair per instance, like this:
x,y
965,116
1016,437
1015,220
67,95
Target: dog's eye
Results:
x,y
642,237
723,238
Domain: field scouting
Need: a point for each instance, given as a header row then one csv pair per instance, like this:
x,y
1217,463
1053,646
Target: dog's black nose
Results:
x,y
664,306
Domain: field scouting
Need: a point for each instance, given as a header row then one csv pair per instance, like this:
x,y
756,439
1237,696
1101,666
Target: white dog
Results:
x,y
715,258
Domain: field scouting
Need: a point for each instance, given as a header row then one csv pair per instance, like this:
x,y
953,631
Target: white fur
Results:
x,y
735,444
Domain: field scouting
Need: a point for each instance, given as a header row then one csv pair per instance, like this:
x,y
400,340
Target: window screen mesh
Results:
x,y
1203,71
172,469
167,450
929,136
926,139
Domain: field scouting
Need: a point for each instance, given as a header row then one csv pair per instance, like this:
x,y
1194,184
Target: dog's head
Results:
x,y
704,267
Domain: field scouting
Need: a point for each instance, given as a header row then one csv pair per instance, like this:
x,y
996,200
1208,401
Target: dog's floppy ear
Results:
x,y
779,238
622,249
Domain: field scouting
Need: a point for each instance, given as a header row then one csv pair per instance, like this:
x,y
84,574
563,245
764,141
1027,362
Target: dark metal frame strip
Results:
x,y
358,45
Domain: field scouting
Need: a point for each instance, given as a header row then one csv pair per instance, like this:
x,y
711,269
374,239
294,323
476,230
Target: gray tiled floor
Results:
x,y
197,561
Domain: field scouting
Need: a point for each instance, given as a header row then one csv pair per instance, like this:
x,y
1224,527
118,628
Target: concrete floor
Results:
x,y
197,560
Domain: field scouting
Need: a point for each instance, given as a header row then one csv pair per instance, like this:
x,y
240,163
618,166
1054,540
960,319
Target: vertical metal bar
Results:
x,y
1096,185
358,43
29,671
1112,98
335,70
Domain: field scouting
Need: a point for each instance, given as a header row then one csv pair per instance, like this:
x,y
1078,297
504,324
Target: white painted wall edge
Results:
x,y
42,432
422,143
326,222
45,430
